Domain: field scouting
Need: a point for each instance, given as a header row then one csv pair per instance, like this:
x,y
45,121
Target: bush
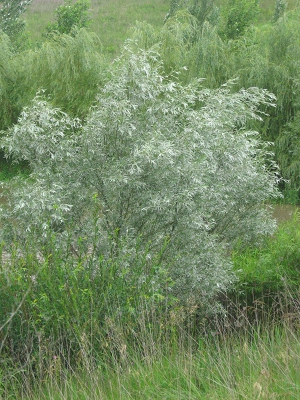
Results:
x,y
70,85
70,16
155,161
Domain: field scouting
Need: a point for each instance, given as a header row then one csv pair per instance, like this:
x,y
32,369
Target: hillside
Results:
x,y
111,20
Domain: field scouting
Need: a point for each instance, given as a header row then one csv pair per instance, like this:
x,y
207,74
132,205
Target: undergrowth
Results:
x,y
70,331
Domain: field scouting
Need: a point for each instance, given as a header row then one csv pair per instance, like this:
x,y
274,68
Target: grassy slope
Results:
x,y
111,19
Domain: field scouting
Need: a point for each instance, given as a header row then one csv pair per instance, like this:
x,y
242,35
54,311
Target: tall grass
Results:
x,y
261,365
73,328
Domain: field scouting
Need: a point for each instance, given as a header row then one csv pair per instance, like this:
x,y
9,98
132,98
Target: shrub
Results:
x,y
69,16
154,161
71,85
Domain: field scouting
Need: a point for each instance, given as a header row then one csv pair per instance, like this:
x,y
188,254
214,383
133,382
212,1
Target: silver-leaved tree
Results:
x,y
159,167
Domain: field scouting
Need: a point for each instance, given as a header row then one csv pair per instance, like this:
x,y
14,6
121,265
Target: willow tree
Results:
x,y
202,10
288,154
69,68
156,163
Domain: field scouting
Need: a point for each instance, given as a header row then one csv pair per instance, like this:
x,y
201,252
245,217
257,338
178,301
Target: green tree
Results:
x,y
69,16
267,56
155,162
288,152
7,80
238,15
72,85
10,22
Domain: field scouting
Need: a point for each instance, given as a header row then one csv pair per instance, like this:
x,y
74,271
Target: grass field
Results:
x,y
111,20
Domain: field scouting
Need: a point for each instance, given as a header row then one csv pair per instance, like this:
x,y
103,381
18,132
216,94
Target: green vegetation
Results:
x,y
153,142
276,262
11,23
238,16
9,170
70,330
110,20
139,259
69,16
245,368
264,55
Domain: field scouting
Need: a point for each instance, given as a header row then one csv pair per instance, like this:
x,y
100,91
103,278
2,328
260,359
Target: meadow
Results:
x,y
138,259
111,20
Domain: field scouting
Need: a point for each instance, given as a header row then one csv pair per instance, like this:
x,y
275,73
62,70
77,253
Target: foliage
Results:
x,y
143,198
203,55
287,145
10,23
10,170
214,366
280,8
175,40
233,18
71,85
266,57
276,68
7,79
202,10
64,305
155,161
69,16
238,15
273,266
